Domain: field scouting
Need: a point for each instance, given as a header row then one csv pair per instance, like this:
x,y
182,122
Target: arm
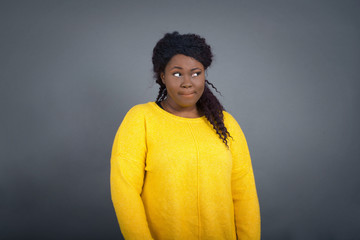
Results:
x,y
246,204
127,176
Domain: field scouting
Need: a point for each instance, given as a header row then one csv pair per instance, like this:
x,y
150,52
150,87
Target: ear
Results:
x,y
162,76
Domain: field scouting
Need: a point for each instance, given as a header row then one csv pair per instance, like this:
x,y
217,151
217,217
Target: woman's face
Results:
x,y
184,78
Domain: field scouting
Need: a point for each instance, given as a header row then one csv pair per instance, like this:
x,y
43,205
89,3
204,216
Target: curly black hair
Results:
x,y
194,46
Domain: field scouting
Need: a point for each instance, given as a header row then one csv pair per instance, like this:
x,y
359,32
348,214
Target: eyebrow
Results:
x,y
176,67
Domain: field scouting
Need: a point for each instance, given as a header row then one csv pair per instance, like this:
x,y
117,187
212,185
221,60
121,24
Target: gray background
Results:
x,y
70,70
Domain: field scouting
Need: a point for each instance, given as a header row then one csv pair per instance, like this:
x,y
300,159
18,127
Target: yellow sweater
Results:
x,y
173,178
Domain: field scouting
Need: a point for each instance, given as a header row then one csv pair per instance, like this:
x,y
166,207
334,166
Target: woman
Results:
x,y
180,166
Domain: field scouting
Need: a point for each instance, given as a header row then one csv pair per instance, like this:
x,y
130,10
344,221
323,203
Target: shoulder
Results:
x,y
234,129
140,110
134,121
143,107
229,121
137,114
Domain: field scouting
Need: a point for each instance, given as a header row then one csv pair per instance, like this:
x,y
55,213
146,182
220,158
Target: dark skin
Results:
x,y
184,78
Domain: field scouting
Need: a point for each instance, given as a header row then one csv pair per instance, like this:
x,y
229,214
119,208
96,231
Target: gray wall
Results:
x,y
288,71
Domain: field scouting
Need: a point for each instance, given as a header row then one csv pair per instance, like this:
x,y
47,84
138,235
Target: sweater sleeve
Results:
x,y
127,175
245,199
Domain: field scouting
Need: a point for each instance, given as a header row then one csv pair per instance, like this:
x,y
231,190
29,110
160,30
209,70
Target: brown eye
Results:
x,y
195,74
177,74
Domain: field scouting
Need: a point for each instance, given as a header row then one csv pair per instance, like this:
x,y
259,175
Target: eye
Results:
x,y
177,74
196,74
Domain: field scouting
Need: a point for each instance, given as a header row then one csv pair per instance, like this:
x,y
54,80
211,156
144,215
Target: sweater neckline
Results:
x,y
166,113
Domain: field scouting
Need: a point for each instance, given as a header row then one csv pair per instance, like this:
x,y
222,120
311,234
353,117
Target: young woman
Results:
x,y
180,166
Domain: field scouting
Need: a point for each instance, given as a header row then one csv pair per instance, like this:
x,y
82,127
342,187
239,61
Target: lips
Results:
x,y
187,93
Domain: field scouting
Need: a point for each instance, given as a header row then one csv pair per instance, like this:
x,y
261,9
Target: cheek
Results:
x,y
201,86
171,86
202,90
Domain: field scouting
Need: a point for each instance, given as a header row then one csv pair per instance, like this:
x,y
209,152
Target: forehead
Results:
x,y
183,61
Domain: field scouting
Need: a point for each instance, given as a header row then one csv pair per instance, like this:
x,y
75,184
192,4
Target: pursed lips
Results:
x,y
187,94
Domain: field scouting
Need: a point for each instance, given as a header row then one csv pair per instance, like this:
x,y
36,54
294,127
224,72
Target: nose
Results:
x,y
186,82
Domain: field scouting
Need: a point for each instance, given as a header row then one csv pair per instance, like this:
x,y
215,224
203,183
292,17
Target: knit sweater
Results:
x,y
173,178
